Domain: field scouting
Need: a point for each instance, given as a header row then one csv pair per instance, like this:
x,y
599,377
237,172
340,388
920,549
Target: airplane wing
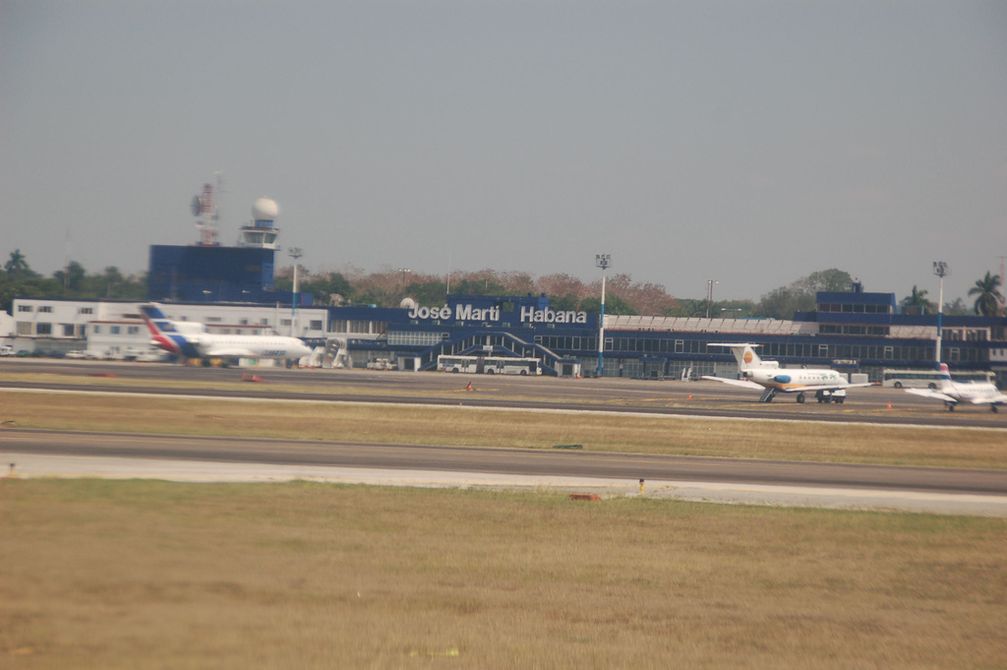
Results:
x,y
824,387
930,393
744,383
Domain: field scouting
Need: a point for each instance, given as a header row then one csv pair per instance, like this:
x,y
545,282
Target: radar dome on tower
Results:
x,y
262,231
265,209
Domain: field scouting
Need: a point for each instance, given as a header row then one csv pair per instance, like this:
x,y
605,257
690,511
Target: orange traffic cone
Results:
x,y
690,396
889,406
468,387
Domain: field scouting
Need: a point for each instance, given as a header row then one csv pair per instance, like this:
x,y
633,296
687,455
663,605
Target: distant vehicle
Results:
x,y
76,354
189,339
490,365
6,350
931,379
767,376
952,393
381,364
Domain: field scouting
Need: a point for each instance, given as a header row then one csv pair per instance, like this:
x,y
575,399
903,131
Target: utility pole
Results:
x,y
1003,287
709,295
942,270
295,253
602,261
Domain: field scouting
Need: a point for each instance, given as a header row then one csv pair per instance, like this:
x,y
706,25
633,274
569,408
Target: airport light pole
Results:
x,y
942,270
602,261
404,271
295,253
709,295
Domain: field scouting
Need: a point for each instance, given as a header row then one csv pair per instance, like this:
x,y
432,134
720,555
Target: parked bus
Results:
x,y
931,378
490,365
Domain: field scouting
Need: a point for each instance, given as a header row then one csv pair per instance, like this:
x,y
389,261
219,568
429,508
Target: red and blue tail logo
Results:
x,y
163,332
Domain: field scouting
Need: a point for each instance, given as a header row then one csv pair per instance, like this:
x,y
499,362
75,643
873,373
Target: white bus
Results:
x,y
931,378
490,365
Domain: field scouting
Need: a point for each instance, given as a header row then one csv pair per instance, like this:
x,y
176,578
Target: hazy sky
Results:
x,y
743,141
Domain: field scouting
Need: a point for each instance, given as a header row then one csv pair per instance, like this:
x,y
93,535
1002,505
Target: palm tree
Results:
x,y
16,265
988,296
917,303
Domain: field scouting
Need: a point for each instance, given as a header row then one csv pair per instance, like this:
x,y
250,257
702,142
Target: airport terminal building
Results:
x,y
230,289
853,331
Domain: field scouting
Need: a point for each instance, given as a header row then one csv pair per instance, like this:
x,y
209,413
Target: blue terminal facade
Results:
x,y
464,325
851,331
210,273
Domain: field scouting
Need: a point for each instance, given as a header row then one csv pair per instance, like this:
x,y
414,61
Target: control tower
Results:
x,y
262,232
209,272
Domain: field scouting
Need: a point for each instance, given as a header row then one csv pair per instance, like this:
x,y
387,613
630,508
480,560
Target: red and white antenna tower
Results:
x,y
204,208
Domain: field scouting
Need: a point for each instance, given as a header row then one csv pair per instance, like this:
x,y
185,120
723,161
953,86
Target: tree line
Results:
x,y
73,281
388,288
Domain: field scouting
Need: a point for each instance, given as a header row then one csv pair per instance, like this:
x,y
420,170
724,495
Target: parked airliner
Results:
x,y
952,393
192,340
770,378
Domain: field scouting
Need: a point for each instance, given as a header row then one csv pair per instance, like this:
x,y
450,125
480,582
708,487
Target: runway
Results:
x,y
701,399
502,461
939,490
763,482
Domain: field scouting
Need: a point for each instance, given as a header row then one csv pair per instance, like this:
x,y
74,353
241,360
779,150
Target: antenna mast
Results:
x,y
205,210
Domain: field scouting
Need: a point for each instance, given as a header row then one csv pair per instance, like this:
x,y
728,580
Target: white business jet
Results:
x,y
768,377
952,393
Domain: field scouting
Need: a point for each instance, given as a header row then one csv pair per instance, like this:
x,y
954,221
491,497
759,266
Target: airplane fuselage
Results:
x,y
191,340
789,379
974,392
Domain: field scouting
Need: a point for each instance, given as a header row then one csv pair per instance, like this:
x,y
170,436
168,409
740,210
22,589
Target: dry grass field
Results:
x,y
100,574
403,424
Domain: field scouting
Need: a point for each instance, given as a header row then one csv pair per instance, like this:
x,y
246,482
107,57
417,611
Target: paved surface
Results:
x,y
52,453
710,399
42,453
29,465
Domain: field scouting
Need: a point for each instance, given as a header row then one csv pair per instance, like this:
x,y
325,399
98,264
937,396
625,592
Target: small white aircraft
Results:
x,y
768,377
192,340
952,393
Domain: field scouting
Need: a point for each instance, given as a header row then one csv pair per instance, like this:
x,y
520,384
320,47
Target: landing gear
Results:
x,y
950,406
993,408
800,398
767,395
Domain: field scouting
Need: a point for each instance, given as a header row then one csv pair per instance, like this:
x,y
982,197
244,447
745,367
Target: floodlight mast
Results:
x,y
295,253
942,270
602,261
710,283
